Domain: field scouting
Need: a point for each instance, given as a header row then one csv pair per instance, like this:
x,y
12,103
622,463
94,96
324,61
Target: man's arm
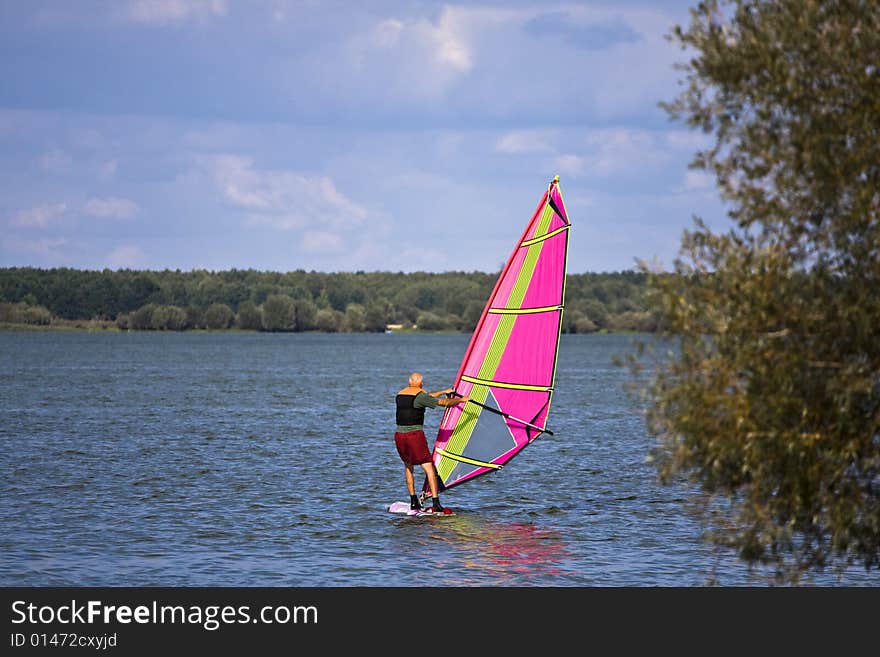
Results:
x,y
440,393
452,401
434,402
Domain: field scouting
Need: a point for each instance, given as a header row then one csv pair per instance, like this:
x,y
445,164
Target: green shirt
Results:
x,y
422,400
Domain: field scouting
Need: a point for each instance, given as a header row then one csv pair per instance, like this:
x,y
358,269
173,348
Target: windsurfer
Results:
x,y
410,440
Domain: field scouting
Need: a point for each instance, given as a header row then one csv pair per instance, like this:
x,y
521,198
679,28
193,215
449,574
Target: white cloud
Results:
x,y
525,141
110,208
445,44
321,241
604,152
387,33
462,61
581,197
50,248
698,180
519,61
450,41
244,198
285,198
125,257
277,221
571,165
424,259
165,12
688,140
38,217
328,193
404,61
614,151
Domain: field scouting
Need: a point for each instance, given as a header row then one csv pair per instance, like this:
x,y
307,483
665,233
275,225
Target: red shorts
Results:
x,y
412,447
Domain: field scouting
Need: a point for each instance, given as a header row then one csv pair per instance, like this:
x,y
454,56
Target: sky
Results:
x,y
379,135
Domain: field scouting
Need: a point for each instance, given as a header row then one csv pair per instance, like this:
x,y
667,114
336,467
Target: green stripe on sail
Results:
x,y
461,434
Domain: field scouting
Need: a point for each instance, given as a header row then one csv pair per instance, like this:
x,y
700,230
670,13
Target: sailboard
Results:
x,y
404,509
509,367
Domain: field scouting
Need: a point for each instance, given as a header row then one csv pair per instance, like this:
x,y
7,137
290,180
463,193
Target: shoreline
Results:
x,y
99,326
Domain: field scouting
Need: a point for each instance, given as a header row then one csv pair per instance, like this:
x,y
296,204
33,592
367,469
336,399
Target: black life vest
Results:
x,y
407,414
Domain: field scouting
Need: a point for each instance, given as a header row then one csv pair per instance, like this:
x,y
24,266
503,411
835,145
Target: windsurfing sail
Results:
x,y
509,367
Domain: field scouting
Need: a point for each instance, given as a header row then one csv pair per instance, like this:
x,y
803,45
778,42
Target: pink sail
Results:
x,y
509,366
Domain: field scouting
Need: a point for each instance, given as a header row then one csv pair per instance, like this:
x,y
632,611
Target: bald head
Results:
x,y
415,380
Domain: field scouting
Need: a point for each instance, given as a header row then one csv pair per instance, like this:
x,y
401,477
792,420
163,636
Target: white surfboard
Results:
x,y
403,508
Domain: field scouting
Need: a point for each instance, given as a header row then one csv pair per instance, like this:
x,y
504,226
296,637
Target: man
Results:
x,y
410,436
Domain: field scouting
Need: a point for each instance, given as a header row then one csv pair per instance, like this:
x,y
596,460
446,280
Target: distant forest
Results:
x,y
297,300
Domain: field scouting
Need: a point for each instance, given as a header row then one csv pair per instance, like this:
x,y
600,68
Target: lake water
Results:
x,y
236,459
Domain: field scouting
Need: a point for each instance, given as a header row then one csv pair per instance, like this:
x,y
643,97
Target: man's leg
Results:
x,y
410,484
432,477
433,481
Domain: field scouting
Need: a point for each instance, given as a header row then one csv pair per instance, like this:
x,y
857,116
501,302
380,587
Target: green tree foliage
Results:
x,y
194,318
329,320
278,313
574,321
304,312
471,315
218,316
377,315
169,318
355,318
770,400
24,312
249,317
156,317
141,319
428,321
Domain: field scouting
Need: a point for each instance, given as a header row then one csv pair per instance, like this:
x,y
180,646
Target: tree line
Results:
x,y
299,300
